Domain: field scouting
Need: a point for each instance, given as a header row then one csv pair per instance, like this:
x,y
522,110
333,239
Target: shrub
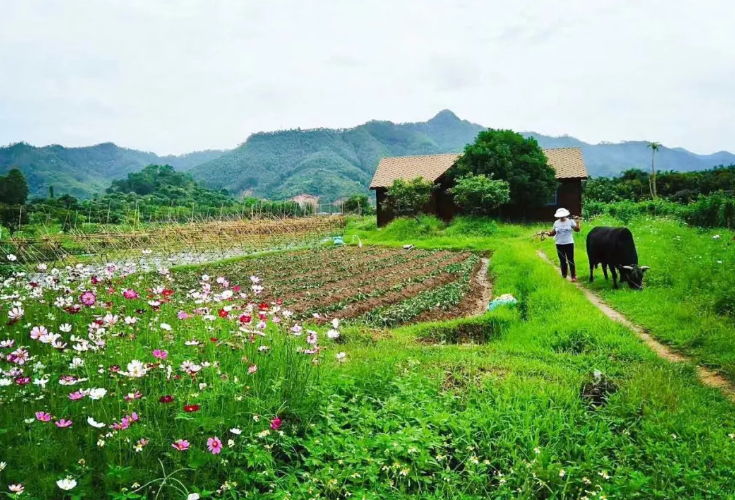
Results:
x,y
407,198
480,194
716,210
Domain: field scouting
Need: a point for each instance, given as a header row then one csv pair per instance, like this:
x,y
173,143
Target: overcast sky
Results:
x,y
176,76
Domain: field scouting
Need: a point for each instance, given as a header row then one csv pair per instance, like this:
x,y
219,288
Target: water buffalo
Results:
x,y
613,247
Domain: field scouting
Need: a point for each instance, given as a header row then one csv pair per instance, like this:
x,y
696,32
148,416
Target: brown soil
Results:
x,y
479,288
708,377
417,266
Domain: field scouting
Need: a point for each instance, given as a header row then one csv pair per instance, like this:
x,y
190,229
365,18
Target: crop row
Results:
x,y
443,298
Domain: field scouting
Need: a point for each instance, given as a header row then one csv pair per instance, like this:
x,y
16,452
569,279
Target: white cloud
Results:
x,y
176,76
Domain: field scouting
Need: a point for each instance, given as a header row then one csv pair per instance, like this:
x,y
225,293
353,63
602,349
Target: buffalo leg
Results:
x,y
604,270
592,272
615,276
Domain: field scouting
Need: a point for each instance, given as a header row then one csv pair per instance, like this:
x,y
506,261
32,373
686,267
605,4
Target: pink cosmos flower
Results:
x,y
63,423
181,444
214,445
42,416
130,294
22,380
38,331
182,315
88,298
276,423
16,488
76,395
252,369
160,354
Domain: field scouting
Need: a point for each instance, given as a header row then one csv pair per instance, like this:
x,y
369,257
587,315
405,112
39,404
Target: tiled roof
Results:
x,y
567,162
430,167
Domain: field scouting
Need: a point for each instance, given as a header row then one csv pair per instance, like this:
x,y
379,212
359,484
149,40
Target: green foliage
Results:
x,y
13,188
480,194
508,156
358,204
13,217
681,187
405,228
408,198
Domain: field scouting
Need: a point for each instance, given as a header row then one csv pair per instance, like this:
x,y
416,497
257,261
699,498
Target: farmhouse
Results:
x,y
566,162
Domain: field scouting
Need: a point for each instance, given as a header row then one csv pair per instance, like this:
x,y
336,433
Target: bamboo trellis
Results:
x,y
214,238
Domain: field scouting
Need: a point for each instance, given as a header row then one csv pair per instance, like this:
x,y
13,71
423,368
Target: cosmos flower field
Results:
x,y
112,377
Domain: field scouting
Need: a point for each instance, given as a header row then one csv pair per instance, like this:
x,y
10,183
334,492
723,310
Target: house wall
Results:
x,y
569,196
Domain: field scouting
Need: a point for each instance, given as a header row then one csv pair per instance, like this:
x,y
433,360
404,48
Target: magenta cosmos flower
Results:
x,y
88,298
42,416
63,423
214,445
276,423
130,294
160,354
181,444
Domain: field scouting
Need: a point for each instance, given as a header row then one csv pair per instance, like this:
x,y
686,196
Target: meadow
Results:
x,y
244,379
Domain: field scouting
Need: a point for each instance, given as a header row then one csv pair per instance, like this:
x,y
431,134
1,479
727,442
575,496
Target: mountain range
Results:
x,y
330,163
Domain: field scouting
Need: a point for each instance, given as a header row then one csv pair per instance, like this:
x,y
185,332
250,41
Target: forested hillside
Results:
x,y
327,162
82,172
330,163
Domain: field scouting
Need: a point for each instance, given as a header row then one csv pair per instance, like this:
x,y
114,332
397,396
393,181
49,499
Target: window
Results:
x,y
553,199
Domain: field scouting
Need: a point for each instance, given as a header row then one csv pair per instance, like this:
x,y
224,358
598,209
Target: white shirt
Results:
x,y
564,230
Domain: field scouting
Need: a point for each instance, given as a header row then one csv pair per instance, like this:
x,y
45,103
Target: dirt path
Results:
x,y
707,376
487,288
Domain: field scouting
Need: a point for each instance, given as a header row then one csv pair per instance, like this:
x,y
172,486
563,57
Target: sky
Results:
x,y
177,76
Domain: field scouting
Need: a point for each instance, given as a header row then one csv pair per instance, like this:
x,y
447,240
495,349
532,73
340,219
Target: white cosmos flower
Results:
x,y
97,393
341,357
136,369
98,425
76,363
66,328
41,382
193,496
66,484
129,320
236,431
15,313
333,334
335,323
166,326
4,382
11,257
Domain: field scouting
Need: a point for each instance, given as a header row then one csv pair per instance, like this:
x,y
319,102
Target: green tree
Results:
x,y
655,146
408,198
508,156
357,204
480,194
51,192
13,188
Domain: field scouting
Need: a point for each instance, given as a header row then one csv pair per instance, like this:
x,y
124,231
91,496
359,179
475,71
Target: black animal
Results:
x,y
613,247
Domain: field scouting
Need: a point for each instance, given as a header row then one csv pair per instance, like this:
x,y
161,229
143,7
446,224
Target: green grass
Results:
x,y
413,412
689,296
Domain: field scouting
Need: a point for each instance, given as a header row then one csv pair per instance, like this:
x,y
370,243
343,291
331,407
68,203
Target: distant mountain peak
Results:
x,y
446,115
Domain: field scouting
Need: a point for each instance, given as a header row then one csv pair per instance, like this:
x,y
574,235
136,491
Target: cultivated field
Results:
x,y
328,372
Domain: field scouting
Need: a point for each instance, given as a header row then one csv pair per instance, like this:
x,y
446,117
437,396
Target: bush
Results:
x,y
716,210
480,194
407,198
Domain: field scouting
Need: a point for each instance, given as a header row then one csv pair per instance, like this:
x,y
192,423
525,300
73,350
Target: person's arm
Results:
x,y
577,224
552,232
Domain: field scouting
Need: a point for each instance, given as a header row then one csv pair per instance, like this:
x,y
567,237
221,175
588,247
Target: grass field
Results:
x,y
212,387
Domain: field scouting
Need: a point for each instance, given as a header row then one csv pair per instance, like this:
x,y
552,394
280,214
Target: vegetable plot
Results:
x,y
380,287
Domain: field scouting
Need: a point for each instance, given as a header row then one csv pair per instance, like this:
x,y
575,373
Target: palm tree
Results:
x,y
652,180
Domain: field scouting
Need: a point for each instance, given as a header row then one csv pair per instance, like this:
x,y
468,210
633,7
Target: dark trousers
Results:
x,y
566,256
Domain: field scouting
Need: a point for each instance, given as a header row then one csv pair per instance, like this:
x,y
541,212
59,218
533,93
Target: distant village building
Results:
x,y
566,162
307,200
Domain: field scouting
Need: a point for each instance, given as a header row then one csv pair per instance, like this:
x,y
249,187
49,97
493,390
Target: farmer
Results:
x,y
562,233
